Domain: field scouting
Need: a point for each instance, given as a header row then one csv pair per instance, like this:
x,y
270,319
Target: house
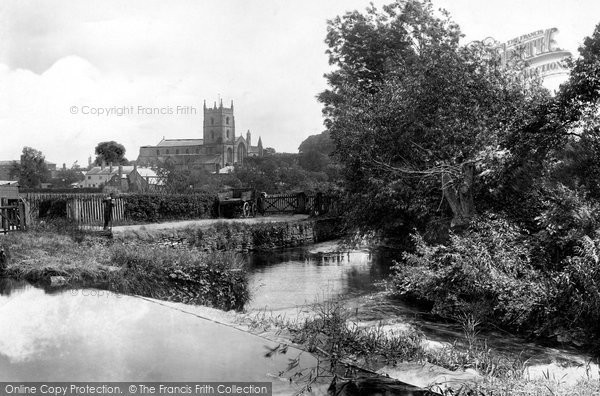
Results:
x,y
121,178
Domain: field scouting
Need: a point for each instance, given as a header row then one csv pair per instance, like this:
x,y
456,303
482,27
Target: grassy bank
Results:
x,y
216,279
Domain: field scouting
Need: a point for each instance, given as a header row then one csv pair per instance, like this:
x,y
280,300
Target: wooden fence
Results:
x,y
87,209
90,211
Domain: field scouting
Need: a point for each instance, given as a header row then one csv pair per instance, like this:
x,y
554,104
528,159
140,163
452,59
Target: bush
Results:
x,y
155,208
485,273
573,309
53,208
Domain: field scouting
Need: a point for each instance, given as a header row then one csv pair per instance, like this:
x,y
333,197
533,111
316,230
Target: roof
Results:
x,y
180,142
144,172
253,149
127,169
8,182
227,169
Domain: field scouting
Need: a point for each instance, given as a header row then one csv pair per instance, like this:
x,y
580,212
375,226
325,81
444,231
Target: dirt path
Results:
x,y
208,222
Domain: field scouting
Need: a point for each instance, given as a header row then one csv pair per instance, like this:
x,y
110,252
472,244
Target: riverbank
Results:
x,y
54,261
238,235
192,262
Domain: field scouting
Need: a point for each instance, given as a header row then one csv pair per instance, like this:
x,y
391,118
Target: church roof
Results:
x,y
180,142
253,149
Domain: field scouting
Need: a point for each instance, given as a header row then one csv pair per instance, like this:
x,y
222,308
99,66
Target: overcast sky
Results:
x,y
63,57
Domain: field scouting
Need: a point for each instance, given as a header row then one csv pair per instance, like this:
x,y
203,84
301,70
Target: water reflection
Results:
x,y
294,277
82,335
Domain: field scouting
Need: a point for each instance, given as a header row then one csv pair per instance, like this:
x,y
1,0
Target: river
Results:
x,y
285,281
92,335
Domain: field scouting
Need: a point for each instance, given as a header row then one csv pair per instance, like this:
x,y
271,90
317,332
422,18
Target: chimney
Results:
x,y
120,171
135,166
64,166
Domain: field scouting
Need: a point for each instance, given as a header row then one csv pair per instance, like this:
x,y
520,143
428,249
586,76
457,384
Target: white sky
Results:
x,y
268,56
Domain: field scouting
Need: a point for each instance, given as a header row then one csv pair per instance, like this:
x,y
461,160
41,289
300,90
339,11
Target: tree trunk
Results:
x,y
459,195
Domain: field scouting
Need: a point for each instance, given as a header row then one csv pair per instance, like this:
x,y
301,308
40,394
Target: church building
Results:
x,y
218,148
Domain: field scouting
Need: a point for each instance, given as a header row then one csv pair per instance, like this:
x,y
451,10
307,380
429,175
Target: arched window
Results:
x,y
241,153
212,135
212,121
227,120
229,155
228,134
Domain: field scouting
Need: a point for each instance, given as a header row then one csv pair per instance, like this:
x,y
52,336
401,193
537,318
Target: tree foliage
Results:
x,y
32,170
414,115
110,152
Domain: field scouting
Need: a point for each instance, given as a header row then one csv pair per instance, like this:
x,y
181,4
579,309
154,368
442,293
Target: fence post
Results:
x,y
22,223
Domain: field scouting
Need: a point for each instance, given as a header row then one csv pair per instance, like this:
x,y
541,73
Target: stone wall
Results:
x,y
242,237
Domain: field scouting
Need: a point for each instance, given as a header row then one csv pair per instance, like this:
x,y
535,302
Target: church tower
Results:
x,y
219,132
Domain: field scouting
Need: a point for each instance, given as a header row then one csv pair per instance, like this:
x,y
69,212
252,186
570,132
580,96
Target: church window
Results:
x,y
212,121
228,133
227,120
212,135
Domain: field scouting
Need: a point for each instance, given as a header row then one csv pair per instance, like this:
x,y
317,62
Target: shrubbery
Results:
x,y
485,273
154,208
488,273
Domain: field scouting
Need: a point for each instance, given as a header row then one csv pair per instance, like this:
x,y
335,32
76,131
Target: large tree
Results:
x,y
32,170
315,152
415,116
110,152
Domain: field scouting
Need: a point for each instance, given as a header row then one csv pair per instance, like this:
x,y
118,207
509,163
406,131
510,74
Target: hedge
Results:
x,y
158,207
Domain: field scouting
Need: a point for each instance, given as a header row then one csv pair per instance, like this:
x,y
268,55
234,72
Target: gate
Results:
x,y
12,217
281,203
